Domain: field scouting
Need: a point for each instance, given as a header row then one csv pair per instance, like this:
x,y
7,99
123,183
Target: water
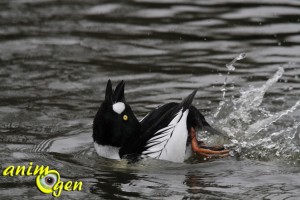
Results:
x,y
230,66
55,60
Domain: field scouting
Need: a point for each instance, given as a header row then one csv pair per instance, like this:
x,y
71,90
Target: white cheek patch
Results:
x,y
119,107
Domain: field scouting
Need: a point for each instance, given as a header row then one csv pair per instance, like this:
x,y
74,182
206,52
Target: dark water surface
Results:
x,y
56,57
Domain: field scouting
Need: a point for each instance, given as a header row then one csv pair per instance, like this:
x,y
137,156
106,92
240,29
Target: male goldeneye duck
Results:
x,y
163,134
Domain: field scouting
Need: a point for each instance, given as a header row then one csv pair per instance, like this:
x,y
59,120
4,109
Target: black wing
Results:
x,y
158,127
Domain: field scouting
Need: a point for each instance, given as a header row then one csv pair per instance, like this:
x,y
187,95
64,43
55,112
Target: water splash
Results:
x,y
230,66
251,126
251,99
224,89
265,123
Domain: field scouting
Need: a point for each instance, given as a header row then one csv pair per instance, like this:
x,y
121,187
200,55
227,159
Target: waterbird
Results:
x,y
166,133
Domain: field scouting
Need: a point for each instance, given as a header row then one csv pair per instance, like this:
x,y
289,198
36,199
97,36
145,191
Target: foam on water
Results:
x,y
250,126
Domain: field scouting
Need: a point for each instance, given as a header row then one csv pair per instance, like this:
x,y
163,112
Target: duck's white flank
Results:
x,y
107,151
119,107
169,143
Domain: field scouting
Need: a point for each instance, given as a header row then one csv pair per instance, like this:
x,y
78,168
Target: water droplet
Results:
x,y
241,56
230,67
223,89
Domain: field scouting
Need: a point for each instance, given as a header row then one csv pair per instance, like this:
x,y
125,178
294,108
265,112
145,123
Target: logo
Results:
x,y
47,181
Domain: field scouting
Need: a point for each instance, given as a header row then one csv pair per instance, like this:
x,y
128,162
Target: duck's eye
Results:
x,y
125,117
45,183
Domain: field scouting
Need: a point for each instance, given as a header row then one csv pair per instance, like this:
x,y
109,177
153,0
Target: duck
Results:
x,y
168,132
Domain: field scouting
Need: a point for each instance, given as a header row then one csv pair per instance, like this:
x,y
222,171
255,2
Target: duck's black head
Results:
x,y
114,122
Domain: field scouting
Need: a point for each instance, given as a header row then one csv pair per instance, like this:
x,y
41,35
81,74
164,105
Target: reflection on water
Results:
x,y
55,60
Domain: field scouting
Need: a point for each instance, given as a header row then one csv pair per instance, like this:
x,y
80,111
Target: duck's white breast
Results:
x,y
107,151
